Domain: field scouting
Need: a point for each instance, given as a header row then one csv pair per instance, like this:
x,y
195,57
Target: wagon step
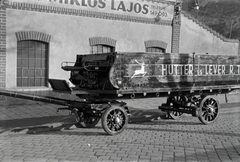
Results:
x,y
186,109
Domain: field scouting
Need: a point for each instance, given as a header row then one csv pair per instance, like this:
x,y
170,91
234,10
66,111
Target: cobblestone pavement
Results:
x,y
56,139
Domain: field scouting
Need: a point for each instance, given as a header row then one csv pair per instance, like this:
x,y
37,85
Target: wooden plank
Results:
x,y
148,71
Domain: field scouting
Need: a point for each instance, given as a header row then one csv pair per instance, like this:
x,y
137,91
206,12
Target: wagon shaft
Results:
x,y
182,109
52,100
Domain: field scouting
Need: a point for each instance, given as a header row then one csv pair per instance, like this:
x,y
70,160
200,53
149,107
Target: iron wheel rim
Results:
x,y
116,120
209,110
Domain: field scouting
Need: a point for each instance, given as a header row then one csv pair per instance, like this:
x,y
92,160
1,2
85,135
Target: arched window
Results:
x,y
100,48
32,59
155,46
102,45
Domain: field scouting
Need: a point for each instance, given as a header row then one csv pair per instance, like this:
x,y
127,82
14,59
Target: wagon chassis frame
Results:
x,y
114,114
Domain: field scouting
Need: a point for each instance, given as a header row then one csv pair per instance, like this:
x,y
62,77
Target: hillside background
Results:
x,y
221,15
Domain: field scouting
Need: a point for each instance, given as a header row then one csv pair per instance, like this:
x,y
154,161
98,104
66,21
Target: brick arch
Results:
x,y
156,43
33,35
102,40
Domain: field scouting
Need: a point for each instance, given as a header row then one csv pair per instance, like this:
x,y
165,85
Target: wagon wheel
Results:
x,y
208,110
182,100
114,120
87,121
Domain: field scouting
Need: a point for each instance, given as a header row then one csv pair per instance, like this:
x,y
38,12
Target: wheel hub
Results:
x,y
210,109
117,120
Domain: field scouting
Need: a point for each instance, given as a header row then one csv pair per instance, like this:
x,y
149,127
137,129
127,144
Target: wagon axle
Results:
x,y
206,108
114,115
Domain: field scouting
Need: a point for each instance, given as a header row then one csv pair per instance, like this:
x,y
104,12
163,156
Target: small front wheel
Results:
x,y
87,121
208,110
114,120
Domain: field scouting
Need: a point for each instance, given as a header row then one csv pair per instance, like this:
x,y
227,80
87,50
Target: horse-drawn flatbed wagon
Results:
x,y
185,79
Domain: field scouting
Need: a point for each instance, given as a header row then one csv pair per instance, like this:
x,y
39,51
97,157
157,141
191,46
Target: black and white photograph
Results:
x,y
119,80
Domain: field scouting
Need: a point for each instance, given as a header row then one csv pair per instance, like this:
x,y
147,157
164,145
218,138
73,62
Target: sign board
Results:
x,y
153,70
137,8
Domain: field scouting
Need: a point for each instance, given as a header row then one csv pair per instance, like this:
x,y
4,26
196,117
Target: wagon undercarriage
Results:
x,y
114,115
206,108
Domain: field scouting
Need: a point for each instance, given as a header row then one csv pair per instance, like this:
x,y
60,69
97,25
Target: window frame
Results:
x,y
102,45
35,69
101,48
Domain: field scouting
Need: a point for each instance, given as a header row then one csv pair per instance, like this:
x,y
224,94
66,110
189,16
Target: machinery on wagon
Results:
x,y
187,80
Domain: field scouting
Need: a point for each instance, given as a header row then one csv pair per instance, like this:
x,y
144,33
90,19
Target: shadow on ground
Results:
x,y
58,122
24,123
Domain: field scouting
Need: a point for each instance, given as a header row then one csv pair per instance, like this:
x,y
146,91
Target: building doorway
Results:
x,y
32,63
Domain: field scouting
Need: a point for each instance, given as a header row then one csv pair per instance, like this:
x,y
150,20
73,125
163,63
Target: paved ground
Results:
x,y
35,132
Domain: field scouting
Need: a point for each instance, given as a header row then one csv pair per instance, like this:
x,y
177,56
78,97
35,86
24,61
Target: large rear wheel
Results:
x,y
114,120
175,102
87,121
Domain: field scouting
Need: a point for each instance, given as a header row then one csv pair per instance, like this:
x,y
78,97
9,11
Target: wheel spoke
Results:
x,y
204,114
208,101
215,113
209,117
204,108
212,117
114,112
215,108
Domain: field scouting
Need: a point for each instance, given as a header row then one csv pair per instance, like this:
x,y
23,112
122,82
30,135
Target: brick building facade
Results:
x,y
37,36
2,47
